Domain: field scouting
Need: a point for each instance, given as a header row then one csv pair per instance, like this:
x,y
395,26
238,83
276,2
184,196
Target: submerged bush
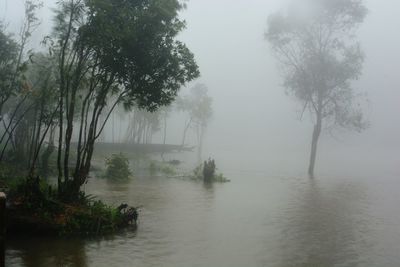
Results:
x,y
118,167
209,170
207,173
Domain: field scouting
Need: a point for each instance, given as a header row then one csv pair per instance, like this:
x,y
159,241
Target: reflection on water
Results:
x,y
326,226
46,252
256,220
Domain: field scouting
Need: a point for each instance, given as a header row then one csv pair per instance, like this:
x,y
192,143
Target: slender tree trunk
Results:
x,y
185,132
62,71
47,153
12,131
113,126
314,145
165,131
120,130
164,138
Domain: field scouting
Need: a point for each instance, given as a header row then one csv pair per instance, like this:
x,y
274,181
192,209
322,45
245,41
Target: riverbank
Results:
x,y
34,208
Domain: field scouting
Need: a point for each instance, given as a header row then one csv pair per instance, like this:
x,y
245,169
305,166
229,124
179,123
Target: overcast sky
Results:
x,y
251,110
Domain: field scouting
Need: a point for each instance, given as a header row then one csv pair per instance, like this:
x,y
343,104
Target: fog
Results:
x,y
252,109
268,213
252,113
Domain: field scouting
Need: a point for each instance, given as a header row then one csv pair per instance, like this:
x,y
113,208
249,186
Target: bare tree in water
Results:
x,y
319,57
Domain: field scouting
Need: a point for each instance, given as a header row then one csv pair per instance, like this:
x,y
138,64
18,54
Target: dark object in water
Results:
x,y
122,207
209,170
130,214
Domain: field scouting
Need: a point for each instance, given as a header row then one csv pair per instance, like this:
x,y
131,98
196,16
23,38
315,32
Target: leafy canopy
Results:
x,y
136,42
315,45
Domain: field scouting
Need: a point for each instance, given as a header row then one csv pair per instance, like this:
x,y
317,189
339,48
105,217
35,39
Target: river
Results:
x,y
258,219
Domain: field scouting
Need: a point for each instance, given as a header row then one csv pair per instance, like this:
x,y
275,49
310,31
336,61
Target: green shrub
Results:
x,y
92,219
118,167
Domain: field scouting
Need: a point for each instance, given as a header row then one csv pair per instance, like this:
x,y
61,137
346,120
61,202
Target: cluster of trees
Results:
x,y
142,125
105,54
101,54
196,107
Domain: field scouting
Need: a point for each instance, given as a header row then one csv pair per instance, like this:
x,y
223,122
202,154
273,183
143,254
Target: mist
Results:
x,y
259,136
252,111
255,114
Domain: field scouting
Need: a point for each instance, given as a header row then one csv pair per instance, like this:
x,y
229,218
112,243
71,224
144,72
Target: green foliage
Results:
x,y
34,201
10,172
111,53
136,41
33,194
118,167
95,218
101,54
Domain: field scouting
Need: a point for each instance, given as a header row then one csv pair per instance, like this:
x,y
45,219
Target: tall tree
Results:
x,y
122,50
315,45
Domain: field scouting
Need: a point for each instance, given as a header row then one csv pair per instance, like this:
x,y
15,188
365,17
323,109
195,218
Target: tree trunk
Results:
x,y
164,138
185,132
314,145
113,126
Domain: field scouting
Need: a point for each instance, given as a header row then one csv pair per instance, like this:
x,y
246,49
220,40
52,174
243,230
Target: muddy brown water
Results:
x,y
259,219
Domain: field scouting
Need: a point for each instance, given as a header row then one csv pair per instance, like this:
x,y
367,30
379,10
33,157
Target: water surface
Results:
x,y
259,219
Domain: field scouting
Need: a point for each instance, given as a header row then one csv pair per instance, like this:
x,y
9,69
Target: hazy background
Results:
x,y
255,124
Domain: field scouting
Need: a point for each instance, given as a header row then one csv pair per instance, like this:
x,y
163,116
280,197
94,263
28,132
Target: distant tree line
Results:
x,y
196,107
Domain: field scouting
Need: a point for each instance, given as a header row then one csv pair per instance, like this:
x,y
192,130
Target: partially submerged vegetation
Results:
x,y
117,167
55,105
207,173
34,208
